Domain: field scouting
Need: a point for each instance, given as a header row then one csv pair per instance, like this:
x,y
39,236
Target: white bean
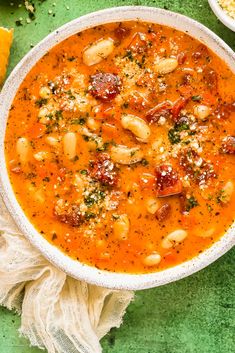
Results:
x,y
37,194
121,227
70,144
98,51
78,183
152,205
52,141
44,92
125,155
227,192
152,260
201,111
165,66
22,149
174,238
41,156
93,124
137,126
208,233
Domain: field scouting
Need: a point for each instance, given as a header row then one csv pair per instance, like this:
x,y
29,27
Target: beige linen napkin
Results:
x,y
57,312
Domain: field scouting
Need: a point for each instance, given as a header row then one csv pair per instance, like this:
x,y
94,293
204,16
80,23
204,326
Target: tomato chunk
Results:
x,y
138,43
163,212
37,130
160,110
228,145
178,106
103,170
167,181
121,32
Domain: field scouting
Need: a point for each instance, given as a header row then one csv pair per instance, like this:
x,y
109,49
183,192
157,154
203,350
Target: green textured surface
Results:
x,y
194,315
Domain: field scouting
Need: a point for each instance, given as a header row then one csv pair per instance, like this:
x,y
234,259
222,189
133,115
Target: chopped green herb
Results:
x,y
220,196
103,148
174,133
129,55
173,136
94,197
191,203
41,101
83,172
58,115
89,215
80,121
144,162
71,96
196,98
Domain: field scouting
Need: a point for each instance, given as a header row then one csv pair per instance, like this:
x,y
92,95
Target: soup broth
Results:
x,y
120,147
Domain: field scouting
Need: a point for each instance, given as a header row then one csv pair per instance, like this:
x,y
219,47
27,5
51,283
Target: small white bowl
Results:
x,y
222,15
72,267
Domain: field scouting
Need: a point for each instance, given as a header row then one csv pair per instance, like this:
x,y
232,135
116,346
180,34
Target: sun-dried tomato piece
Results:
x,y
223,111
196,167
181,57
15,167
105,86
103,170
167,181
178,106
186,79
160,110
121,32
201,53
137,101
228,145
138,43
70,215
210,78
163,212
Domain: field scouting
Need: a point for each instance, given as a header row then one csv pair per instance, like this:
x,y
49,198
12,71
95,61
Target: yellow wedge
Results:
x,y
6,37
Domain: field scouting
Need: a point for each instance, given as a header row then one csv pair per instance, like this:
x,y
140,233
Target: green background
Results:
x,y
194,315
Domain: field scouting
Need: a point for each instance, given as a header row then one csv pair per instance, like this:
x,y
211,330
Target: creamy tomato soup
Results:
x,y
120,147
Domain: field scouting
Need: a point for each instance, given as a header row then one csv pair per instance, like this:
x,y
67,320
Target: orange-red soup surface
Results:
x,y
120,147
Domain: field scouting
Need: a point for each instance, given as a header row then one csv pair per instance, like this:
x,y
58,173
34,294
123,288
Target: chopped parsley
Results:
x,y
94,197
103,148
41,101
89,215
191,203
80,121
220,196
174,133
144,162
129,55
83,172
196,98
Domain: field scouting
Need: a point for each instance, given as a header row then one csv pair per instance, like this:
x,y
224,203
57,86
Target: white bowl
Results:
x,y
222,15
54,255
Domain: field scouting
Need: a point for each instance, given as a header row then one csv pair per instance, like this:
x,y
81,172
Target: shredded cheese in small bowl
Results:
x,y
225,11
228,6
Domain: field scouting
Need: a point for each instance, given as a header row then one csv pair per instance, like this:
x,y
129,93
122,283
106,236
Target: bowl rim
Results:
x,y
72,267
221,14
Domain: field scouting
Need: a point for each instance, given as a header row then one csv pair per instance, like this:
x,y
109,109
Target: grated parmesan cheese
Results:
x,y
228,6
